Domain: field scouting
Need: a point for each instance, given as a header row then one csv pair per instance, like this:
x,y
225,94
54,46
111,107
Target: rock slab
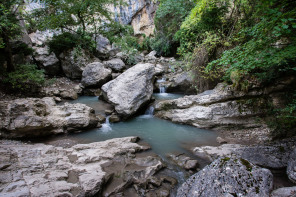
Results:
x,y
228,176
44,170
41,117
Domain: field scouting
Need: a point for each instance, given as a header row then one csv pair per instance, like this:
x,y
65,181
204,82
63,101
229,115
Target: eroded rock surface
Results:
x,y
225,109
95,75
130,90
62,87
271,155
47,61
40,117
291,168
228,176
74,62
44,170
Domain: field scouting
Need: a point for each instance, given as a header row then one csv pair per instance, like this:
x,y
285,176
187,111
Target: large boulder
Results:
x,y
130,90
228,176
291,168
47,61
117,65
41,117
95,75
45,170
74,62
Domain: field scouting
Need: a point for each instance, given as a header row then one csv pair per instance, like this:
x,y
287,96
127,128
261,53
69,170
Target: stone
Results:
x,y
184,161
284,192
92,92
62,87
101,118
39,38
45,170
104,49
114,118
73,63
159,69
47,61
291,168
108,112
273,155
117,65
95,75
130,90
41,117
163,193
228,176
220,140
181,82
115,75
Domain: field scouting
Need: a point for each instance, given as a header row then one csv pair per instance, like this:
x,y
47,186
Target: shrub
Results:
x,y
67,40
168,19
25,78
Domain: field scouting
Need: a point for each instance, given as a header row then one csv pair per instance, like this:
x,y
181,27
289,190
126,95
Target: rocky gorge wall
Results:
x,y
138,13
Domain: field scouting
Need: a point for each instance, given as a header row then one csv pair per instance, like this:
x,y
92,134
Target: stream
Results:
x,y
163,136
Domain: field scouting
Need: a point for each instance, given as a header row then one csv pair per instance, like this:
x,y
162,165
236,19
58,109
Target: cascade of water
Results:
x,y
106,126
162,88
149,111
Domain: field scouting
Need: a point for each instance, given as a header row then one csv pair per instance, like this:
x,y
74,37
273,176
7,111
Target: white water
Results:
x,y
162,86
106,127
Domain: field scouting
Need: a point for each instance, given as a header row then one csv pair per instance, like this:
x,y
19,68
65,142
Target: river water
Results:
x,y
163,136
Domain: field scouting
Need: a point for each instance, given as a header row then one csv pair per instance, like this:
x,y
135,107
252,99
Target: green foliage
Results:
x,y
267,49
123,37
114,31
161,44
283,120
168,19
68,13
208,17
25,78
66,41
9,24
9,29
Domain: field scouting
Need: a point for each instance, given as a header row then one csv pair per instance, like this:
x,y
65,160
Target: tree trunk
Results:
x,y
8,54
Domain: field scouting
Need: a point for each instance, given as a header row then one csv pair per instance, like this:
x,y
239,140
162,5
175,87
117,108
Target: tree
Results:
x,y
168,19
66,14
9,29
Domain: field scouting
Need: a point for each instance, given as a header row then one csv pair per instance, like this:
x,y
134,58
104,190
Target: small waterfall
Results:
x,y
149,111
161,85
106,127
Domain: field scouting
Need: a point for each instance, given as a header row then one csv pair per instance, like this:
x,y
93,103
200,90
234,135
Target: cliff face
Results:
x,y
138,13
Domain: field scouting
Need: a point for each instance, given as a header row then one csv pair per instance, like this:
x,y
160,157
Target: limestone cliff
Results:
x,y
138,13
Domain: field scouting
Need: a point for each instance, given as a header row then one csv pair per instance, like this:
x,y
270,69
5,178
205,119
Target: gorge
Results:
x,y
135,107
